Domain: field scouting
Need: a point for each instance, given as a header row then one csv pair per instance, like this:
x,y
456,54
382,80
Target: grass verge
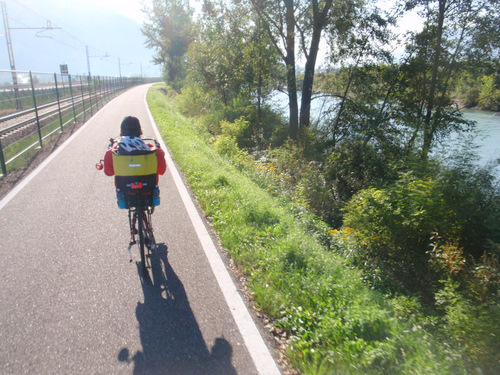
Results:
x,y
333,322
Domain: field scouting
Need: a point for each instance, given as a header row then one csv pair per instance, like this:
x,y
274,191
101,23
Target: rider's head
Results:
x,y
131,127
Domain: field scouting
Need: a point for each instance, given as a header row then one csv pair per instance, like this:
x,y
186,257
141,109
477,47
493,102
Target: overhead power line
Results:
x,y
70,41
84,48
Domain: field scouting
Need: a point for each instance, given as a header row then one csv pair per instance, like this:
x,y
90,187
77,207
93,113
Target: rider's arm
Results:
x,y
108,163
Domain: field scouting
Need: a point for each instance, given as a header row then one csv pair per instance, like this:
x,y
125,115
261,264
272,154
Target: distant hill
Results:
x,y
109,36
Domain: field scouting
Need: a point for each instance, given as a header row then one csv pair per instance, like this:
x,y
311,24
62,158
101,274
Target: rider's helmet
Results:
x,y
131,127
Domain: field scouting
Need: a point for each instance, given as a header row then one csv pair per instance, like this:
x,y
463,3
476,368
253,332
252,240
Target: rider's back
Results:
x,y
134,163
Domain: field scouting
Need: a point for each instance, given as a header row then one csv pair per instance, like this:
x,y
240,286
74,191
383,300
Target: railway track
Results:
x,y
18,124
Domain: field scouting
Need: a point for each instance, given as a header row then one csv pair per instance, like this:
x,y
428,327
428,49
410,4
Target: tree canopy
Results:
x,y
236,47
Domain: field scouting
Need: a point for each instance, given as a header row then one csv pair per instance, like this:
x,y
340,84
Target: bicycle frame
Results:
x,y
141,229
133,218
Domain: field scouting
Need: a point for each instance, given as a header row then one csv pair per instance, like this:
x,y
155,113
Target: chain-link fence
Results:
x,y
34,106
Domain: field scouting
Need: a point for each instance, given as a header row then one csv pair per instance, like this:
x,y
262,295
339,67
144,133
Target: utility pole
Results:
x,y
11,54
88,58
11,50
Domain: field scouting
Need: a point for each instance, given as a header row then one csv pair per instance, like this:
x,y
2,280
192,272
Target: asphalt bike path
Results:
x,y
70,301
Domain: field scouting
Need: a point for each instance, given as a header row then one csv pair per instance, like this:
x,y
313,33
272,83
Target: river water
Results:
x,y
488,134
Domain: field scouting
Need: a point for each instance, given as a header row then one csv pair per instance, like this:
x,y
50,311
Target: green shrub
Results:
x,y
473,195
397,225
355,165
473,328
489,97
226,143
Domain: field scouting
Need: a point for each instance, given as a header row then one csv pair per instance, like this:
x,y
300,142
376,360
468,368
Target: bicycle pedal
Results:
x,y
130,252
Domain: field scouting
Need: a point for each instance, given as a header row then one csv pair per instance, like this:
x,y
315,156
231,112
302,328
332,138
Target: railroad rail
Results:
x,y
15,121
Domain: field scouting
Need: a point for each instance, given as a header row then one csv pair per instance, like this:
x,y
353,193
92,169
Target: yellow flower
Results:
x,y
348,230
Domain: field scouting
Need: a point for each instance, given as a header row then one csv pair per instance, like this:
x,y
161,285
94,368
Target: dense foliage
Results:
x,y
423,231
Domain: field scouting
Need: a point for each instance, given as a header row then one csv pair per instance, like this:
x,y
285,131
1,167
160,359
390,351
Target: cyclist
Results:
x,y
130,143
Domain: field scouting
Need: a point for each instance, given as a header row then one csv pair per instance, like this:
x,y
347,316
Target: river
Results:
x,y
488,134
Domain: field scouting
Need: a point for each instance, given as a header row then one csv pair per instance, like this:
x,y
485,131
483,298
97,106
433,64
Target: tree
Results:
x,y
287,22
363,86
278,17
453,33
168,30
320,19
215,59
232,57
490,94
264,71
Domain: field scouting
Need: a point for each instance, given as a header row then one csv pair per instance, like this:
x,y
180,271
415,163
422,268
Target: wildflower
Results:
x,y
348,230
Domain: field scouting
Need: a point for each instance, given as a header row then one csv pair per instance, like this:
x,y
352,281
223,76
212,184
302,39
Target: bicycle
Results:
x,y
140,195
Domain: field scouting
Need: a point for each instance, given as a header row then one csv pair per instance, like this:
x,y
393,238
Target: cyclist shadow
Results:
x,y
171,340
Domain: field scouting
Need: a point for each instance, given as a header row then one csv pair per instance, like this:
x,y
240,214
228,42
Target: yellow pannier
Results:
x,y
135,165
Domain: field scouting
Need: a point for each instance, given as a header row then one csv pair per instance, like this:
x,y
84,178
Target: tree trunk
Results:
x,y
293,106
290,71
307,87
428,126
319,20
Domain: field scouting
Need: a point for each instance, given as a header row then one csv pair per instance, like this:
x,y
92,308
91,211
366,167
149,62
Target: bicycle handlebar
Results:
x,y
99,165
112,141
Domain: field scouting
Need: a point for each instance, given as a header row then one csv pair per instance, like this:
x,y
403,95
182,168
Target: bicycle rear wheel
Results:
x,y
142,240
150,238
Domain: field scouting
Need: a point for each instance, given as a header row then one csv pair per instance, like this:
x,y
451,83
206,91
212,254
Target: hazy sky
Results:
x,y
110,29
128,8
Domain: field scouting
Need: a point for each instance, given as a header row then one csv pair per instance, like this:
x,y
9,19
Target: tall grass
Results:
x,y
334,323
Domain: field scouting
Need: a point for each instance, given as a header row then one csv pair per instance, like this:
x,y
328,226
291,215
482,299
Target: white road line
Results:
x,y
258,350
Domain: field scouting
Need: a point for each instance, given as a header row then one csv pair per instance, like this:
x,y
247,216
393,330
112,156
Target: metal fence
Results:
x,y
34,106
